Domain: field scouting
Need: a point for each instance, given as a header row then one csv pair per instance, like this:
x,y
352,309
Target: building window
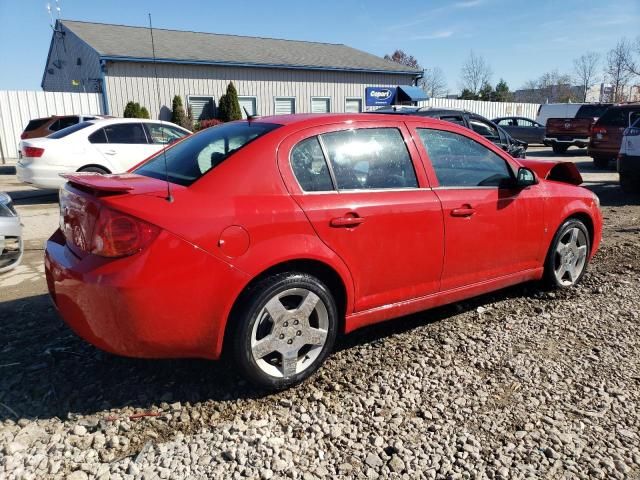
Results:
x,y
353,105
202,108
285,105
320,105
248,103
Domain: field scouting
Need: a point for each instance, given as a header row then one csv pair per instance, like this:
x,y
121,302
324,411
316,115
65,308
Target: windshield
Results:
x,y
69,130
190,159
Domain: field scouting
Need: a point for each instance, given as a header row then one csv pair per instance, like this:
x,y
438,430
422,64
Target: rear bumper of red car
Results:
x,y
169,301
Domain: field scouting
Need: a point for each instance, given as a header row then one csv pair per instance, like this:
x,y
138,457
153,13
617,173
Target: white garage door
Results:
x,y
248,103
320,105
353,105
285,106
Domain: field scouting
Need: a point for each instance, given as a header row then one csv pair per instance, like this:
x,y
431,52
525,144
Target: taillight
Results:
x,y
598,130
632,132
32,152
23,135
118,235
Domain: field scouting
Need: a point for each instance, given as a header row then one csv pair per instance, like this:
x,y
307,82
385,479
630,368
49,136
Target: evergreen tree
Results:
x,y
467,94
177,111
132,110
223,109
486,92
502,93
233,104
143,113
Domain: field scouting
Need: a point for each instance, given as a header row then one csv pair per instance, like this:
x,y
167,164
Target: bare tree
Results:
x,y
617,70
399,56
585,67
433,82
549,87
475,73
631,64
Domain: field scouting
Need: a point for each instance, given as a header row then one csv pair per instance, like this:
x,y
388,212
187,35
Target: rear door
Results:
x,y
122,145
529,131
369,203
491,229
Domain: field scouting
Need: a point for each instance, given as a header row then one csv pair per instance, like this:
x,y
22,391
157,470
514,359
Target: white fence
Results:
x,y
489,110
17,107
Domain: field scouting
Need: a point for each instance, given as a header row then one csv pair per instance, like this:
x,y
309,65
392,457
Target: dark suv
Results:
x,y
606,133
473,121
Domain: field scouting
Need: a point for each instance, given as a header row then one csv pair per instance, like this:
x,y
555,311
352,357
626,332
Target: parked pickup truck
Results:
x,y
562,133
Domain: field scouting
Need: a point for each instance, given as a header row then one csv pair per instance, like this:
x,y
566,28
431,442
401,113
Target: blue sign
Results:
x,y
379,96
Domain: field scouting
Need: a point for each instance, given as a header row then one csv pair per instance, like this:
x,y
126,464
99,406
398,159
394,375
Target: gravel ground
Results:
x,y
523,383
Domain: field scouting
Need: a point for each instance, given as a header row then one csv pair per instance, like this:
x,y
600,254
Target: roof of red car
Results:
x,y
313,118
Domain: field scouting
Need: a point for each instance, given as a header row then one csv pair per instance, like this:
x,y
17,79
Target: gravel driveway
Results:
x,y
522,383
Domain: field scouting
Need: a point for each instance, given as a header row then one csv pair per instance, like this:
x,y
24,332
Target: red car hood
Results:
x,y
566,172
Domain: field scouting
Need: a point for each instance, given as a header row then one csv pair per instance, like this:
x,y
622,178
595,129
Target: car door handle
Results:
x,y
464,211
346,221
110,152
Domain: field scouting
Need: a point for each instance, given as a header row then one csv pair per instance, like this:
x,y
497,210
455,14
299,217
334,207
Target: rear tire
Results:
x,y
630,183
101,170
284,330
559,148
568,255
600,162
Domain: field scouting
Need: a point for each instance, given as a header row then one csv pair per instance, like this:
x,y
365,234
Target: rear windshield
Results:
x,y
69,130
591,111
190,159
37,123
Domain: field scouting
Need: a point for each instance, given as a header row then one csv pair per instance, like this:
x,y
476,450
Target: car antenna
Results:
x,y
249,116
169,197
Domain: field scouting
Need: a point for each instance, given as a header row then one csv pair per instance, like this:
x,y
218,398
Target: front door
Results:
x,y
366,200
122,145
492,229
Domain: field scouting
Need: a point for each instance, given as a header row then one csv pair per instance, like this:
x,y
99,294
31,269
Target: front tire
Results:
x,y
284,331
568,255
559,148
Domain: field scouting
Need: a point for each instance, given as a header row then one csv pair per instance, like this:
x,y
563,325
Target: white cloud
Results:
x,y
434,36
467,3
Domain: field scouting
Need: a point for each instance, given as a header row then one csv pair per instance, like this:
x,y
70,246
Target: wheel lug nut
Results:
x,y
281,336
299,332
289,341
296,322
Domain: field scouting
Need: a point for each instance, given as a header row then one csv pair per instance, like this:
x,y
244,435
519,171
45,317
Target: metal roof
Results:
x,y
120,42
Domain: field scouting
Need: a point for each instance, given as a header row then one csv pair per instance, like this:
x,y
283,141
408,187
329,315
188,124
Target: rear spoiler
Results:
x,y
101,183
566,172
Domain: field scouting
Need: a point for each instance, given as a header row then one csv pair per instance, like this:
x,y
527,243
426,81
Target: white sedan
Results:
x,y
10,234
104,146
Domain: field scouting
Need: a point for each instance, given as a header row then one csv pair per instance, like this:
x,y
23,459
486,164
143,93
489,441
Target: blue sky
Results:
x,y
520,39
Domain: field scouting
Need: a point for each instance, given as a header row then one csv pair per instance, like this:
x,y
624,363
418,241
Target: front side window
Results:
x,y
457,119
371,158
190,159
163,134
461,162
310,167
523,122
483,128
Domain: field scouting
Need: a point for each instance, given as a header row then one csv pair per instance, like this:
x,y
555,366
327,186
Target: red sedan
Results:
x,y
267,238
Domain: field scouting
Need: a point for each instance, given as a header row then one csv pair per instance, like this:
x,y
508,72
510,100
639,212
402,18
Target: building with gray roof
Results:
x,y
272,76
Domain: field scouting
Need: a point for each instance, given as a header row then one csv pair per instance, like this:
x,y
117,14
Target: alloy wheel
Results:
x,y
570,256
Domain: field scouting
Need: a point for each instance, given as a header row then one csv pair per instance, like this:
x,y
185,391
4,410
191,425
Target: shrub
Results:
x,y
134,110
177,111
208,123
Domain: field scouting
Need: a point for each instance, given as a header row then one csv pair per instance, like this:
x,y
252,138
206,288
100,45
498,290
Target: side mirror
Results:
x,y
525,177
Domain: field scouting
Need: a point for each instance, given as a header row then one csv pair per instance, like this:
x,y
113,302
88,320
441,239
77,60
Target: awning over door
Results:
x,y
408,93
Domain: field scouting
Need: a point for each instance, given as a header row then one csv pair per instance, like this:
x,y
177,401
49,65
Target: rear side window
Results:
x,y
69,130
34,124
190,159
125,133
457,119
63,123
98,136
483,128
591,111
615,117
461,162
371,158
310,167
